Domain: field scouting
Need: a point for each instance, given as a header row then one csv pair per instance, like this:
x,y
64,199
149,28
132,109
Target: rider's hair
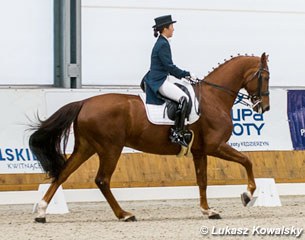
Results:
x,y
159,30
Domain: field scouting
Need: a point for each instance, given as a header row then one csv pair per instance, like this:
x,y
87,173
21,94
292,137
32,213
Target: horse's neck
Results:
x,y
229,76
229,85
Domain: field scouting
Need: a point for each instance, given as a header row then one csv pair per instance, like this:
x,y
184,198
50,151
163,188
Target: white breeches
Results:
x,y
171,91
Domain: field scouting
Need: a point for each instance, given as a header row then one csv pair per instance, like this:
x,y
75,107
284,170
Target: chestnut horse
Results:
x,y
105,124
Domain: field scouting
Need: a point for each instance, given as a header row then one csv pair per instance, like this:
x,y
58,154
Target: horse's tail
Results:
x,y
45,142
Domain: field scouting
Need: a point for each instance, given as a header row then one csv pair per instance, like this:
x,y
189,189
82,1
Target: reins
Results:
x,y
241,96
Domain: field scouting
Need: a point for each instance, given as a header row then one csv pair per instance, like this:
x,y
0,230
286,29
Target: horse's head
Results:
x,y
257,85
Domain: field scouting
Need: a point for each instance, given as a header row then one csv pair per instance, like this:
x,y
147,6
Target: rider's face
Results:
x,y
168,32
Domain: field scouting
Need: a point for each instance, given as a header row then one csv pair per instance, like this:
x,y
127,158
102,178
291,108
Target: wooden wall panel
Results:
x,y
145,170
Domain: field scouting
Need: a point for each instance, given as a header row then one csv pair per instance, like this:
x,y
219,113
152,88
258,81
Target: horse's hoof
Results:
x,y
212,214
130,219
245,199
40,219
215,216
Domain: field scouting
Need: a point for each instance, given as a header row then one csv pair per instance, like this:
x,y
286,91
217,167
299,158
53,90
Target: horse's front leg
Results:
x,y
226,152
200,162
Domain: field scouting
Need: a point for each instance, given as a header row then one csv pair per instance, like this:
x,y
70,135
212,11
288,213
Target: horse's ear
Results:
x,y
264,59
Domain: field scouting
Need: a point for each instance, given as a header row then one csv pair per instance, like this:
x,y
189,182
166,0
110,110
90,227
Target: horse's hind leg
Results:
x,y
200,161
108,162
79,156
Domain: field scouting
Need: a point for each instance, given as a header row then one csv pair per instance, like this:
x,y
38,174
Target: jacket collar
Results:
x,y
165,38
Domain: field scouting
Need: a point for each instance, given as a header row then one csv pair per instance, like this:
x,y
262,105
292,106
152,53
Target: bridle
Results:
x,y
255,98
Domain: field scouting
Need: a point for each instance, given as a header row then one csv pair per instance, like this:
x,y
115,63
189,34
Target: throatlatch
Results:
x,y
179,134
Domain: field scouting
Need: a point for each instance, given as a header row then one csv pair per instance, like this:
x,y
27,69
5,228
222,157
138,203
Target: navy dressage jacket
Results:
x,y
161,66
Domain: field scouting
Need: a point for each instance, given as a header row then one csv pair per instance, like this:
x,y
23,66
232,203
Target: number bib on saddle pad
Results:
x,y
158,114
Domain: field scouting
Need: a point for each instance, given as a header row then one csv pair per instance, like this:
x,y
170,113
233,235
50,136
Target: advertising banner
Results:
x,y
19,109
261,132
296,116
251,131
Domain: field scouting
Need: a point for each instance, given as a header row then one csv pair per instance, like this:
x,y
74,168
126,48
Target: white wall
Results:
x,y
26,42
118,38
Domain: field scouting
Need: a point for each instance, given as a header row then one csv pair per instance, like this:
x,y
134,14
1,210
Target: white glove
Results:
x,y
192,78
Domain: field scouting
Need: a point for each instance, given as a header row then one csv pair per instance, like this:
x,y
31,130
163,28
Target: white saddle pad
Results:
x,y
155,113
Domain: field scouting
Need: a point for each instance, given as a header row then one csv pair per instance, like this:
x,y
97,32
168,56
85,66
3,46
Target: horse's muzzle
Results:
x,y
267,108
259,108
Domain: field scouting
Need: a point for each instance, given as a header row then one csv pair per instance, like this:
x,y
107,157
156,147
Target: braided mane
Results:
x,y
226,61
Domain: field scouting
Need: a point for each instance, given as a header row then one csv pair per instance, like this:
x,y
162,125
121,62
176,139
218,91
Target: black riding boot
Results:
x,y
178,133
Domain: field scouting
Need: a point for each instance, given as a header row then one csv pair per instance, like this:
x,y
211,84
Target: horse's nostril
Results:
x,y
267,108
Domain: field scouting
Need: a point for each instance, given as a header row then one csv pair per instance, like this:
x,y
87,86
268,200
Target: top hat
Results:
x,y
163,20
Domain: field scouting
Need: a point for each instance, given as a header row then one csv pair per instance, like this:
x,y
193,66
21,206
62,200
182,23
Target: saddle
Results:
x,y
165,114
